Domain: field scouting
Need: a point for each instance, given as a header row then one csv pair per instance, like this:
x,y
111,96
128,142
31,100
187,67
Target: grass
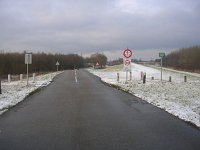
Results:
x,y
113,68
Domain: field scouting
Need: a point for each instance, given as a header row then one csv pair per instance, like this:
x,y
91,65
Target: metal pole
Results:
x,y
130,75
161,68
126,76
27,74
57,68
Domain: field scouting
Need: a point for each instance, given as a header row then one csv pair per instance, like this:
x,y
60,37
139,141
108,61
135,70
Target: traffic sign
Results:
x,y
127,53
97,64
28,58
127,65
162,55
57,63
127,62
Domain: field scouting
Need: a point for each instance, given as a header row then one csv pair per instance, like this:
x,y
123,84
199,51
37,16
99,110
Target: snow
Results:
x,y
179,98
16,91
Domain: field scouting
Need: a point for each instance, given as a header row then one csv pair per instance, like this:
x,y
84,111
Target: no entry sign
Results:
x,y
127,53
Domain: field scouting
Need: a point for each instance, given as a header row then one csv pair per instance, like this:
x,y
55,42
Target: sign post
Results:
x,y
28,60
161,55
57,64
127,62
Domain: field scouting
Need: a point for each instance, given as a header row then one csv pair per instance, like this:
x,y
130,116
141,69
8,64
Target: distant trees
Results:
x,y
115,62
101,59
184,59
13,63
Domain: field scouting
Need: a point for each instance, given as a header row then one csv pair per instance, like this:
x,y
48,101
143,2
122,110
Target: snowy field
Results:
x,y
16,91
179,98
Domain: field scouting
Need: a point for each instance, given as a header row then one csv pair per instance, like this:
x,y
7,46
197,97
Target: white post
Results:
x,y
27,75
9,78
33,77
21,77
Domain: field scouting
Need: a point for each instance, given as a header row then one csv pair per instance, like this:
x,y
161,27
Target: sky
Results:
x,y
105,26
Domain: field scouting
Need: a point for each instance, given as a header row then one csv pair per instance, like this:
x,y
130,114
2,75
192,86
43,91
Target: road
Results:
x,y
88,115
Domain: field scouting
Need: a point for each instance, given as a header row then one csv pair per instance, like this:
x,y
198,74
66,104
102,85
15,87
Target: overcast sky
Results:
x,y
86,26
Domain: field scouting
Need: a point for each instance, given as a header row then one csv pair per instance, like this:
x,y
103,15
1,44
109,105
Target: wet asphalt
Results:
x,y
88,115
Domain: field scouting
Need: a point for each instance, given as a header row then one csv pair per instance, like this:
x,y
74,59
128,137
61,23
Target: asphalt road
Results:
x,y
88,115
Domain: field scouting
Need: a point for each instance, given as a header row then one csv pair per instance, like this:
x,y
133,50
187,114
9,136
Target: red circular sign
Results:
x,y
127,62
127,53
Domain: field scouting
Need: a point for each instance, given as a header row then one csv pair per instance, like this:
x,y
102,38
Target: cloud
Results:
x,y
87,26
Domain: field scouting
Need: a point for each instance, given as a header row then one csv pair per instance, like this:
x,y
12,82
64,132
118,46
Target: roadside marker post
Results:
x,y
170,79
33,77
144,78
185,78
118,77
161,55
21,77
28,60
9,78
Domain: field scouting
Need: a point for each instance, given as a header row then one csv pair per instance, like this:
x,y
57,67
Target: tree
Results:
x,y
101,59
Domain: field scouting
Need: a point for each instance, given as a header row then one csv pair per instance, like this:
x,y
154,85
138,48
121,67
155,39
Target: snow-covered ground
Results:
x,y
179,98
16,91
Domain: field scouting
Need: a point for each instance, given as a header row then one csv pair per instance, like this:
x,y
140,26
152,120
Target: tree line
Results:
x,y
14,63
184,59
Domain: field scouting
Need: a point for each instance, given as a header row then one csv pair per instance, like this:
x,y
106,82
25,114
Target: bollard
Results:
x,y
142,74
33,77
0,86
185,78
152,78
9,78
144,78
117,77
170,79
21,77
130,75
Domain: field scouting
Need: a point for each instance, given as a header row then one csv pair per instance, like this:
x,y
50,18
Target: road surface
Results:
x,y
84,114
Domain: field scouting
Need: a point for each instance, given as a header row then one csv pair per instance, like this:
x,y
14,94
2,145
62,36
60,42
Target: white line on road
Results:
x,y
75,74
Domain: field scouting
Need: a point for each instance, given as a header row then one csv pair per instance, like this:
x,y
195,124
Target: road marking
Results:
x,y
75,74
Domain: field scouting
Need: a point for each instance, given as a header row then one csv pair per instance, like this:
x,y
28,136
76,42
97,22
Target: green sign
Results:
x,y
161,54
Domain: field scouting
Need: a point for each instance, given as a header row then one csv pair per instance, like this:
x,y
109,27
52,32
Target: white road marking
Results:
x,y
75,75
